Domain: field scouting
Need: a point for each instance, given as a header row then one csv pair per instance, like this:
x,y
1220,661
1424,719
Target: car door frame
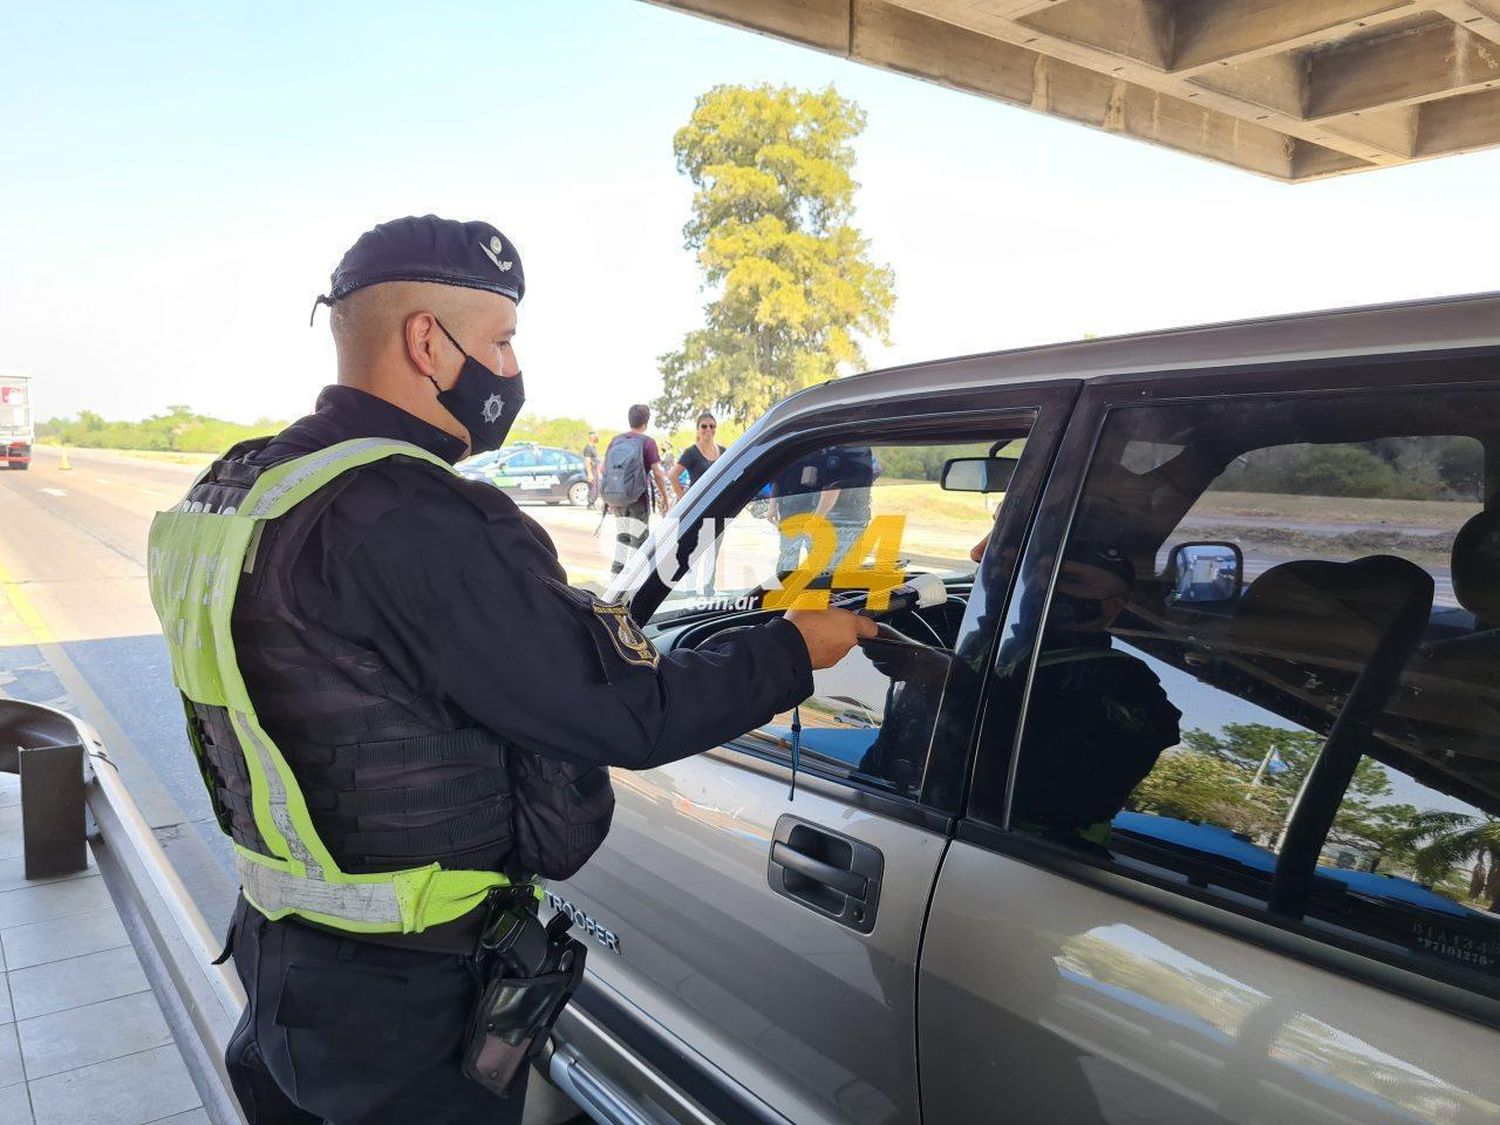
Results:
x,y
1052,402
612,1024
1328,377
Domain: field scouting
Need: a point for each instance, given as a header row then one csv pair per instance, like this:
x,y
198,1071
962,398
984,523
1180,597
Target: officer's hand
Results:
x,y
906,661
830,633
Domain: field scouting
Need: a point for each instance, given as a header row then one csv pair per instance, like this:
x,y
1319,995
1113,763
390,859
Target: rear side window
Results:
x,y
1269,670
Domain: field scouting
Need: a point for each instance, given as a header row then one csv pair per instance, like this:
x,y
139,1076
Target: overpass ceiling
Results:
x,y
1292,89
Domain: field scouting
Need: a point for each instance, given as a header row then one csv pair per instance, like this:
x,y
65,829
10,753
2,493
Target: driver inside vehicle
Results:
x,y
1102,711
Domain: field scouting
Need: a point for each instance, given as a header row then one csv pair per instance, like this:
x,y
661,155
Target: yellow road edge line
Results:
x,y
31,620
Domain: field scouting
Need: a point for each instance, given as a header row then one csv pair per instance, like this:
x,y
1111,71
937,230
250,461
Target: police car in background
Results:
x,y
532,472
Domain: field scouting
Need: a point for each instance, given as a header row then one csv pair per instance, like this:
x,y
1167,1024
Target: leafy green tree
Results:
x,y
1213,778
1439,843
1249,744
1191,785
793,286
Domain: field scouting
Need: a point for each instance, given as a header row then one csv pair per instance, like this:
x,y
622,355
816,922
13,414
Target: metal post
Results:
x,y
52,819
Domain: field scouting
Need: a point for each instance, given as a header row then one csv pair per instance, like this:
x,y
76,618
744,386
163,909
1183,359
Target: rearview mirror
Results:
x,y
978,474
1206,574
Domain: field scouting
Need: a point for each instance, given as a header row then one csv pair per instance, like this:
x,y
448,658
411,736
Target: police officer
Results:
x,y
400,707
1097,718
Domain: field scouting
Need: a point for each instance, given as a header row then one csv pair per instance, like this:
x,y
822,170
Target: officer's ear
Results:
x,y
423,342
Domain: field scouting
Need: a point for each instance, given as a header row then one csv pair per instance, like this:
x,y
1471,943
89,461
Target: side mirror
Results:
x,y
1206,574
978,474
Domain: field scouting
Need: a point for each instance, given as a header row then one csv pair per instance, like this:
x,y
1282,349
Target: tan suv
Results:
x,y
1181,804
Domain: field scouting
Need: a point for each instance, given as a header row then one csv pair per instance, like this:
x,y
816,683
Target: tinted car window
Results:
x,y
838,516
1270,668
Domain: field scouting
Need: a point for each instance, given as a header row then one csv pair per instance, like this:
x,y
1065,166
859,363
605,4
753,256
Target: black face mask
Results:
x,y
484,403
1069,612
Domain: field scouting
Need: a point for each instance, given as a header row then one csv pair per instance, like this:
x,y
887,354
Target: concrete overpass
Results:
x,y
1292,89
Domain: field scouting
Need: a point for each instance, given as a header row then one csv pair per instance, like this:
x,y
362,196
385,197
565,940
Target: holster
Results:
x,y
531,971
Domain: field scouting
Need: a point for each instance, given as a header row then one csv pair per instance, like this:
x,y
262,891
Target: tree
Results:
x,y
794,288
1212,778
1191,785
1451,839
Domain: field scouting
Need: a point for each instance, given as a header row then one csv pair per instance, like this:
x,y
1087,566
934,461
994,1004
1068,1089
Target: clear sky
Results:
x,y
178,180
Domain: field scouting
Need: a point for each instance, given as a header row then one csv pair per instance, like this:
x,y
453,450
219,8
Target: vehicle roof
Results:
x,y
1440,324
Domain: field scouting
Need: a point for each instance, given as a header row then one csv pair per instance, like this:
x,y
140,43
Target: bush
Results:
x,y
179,430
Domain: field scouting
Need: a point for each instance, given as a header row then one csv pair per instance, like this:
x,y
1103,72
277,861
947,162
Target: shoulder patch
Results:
x,y
612,619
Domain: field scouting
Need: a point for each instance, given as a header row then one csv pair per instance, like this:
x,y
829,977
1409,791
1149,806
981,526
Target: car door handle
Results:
x,y
834,875
845,882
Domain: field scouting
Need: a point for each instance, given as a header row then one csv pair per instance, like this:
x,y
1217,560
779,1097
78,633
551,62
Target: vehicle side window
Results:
x,y
523,459
841,517
1269,668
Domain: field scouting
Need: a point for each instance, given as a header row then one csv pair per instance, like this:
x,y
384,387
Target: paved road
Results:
x,y
73,565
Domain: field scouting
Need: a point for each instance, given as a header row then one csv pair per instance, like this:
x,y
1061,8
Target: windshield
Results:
x,y
842,516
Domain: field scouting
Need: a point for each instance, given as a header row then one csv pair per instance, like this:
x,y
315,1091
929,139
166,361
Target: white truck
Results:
x,y
17,429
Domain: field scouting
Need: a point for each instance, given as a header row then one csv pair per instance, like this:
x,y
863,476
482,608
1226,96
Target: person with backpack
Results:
x,y
632,465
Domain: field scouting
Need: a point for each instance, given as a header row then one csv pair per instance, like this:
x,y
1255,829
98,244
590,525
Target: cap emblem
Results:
x,y
493,252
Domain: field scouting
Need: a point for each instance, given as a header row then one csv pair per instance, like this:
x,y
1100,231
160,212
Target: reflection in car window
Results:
x,y
1300,714
820,521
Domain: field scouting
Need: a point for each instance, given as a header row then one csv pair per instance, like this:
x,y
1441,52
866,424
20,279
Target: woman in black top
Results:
x,y
696,458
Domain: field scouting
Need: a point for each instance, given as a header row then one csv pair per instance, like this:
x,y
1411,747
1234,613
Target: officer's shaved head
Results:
x,y
391,342
369,324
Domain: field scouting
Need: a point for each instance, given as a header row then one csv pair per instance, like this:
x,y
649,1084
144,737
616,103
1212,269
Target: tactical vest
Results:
x,y
397,818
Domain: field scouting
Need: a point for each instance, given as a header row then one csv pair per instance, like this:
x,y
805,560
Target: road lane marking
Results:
x,y
55,491
156,803
31,620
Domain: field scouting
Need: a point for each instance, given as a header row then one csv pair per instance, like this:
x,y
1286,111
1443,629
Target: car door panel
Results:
x,y
785,1002
1054,986
815,1017
1059,1001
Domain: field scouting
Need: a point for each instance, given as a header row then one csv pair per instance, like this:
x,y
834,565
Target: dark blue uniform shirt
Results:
x,y
460,593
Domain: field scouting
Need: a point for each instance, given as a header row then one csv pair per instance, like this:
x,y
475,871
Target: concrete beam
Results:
x,y
1133,29
1459,124
1276,82
1429,58
1217,32
891,36
1482,17
1392,131
1293,89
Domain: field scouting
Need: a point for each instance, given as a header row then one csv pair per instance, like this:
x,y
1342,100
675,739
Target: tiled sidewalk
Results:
x,y
82,1041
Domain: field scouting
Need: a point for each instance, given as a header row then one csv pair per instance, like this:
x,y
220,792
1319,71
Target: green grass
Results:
x,y
1437,514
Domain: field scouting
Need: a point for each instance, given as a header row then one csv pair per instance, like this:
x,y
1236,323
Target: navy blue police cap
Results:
x,y
473,255
1103,556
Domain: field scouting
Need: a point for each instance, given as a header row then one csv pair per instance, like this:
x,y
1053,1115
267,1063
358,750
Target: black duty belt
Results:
x,y
460,936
